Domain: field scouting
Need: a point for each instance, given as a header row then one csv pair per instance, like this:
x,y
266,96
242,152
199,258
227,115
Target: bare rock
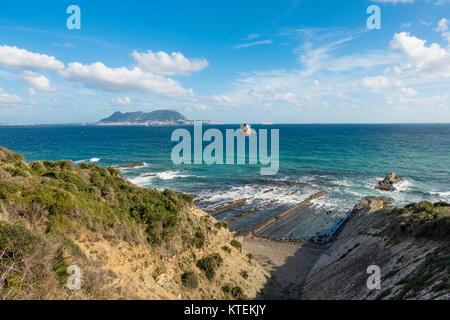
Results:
x,y
388,183
131,165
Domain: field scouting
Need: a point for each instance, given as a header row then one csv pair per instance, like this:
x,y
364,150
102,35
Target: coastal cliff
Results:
x,y
410,245
126,241
130,242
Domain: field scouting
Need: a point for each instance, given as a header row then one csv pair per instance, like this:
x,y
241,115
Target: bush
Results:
x,y
16,240
8,188
199,240
186,198
244,274
226,249
97,197
236,292
209,264
236,244
220,225
189,280
226,289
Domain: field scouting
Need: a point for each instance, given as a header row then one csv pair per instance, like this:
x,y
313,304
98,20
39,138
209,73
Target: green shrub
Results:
x,y
190,280
187,198
98,197
237,293
244,274
8,188
199,240
16,240
236,244
226,289
65,165
220,225
60,268
226,249
16,172
75,179
209,264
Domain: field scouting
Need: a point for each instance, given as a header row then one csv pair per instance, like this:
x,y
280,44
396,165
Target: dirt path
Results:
x,y
287,262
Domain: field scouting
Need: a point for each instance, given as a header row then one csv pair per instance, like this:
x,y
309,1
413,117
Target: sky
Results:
x,y
296,61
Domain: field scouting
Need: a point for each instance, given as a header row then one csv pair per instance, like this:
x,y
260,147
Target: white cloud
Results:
x,y
314,59
6,98
14,57
251,36
174,64
65,45
36,81
422,61
122,101
223,100
378,83
267,95
252,44
425,23
402,95
443,26
97,75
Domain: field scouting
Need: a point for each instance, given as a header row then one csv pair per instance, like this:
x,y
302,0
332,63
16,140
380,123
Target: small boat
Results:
x,y
246,129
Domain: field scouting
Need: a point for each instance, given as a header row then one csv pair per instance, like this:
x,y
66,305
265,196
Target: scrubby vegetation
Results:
x,y
56,215
199,239
422,221
235,292
436,266
418,220
236,244
43,201
190,280
220,225
209,264
226,249
52,193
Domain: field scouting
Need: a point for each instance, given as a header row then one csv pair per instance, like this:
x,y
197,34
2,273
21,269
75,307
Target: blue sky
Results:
x,y
298,61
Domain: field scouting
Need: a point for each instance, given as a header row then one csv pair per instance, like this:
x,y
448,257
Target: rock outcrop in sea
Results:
x,y
388,183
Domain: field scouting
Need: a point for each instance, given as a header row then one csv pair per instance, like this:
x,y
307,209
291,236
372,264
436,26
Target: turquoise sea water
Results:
x,y
345,160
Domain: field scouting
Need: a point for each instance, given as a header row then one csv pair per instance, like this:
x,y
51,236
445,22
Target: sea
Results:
x,y
346,160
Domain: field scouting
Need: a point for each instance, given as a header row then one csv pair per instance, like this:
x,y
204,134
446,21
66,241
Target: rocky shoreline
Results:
x,y
410,245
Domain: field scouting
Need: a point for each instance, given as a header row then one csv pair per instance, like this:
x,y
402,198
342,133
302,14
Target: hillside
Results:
x,y
411,245
129,242
142,117
136,243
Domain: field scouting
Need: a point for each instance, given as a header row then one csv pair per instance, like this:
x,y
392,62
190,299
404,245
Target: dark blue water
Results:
x,y
345,160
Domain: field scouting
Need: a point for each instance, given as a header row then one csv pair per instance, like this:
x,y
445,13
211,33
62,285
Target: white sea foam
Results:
x,y
343,183
257,195
443,195
94,160
404,186
146,178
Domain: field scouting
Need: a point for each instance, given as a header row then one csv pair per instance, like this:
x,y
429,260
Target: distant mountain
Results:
x,y
158,116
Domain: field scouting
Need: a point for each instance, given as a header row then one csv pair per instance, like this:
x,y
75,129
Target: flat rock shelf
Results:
x,y
272,220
